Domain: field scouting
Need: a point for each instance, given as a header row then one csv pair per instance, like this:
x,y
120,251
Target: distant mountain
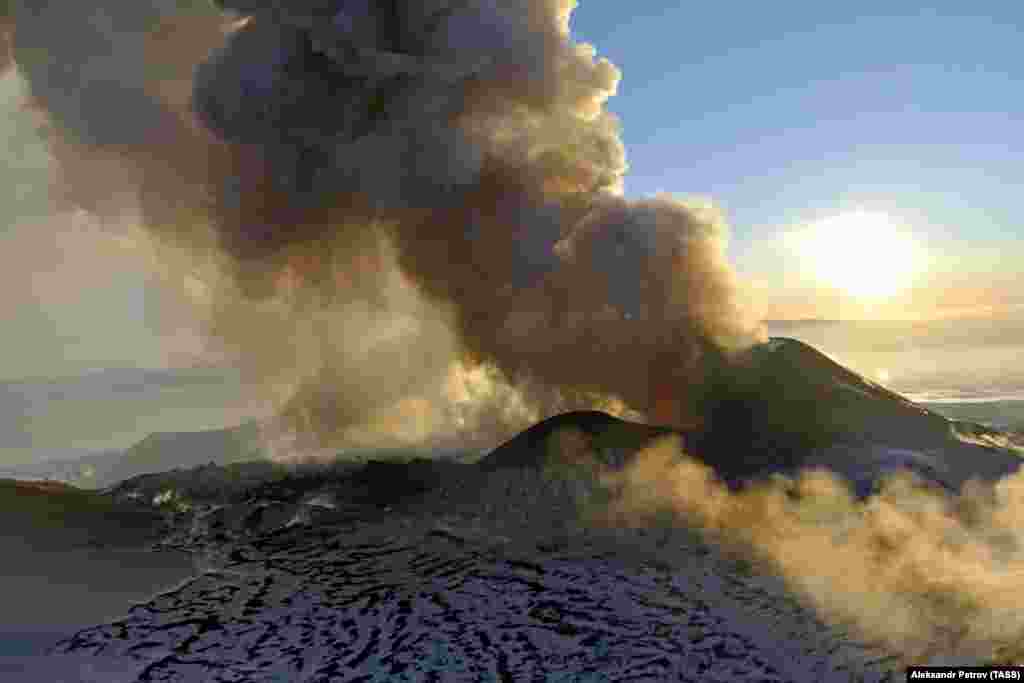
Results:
x,y
171,450
108,410
84,471
157,452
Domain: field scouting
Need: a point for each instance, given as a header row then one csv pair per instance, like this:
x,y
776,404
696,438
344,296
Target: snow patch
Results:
x,y
1006,441
164,497
323,501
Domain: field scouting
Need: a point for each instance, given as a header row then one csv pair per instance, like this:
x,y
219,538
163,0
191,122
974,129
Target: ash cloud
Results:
x,y
934,578
366,199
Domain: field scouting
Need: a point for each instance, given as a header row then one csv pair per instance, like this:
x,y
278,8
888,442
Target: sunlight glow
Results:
x,y
865,254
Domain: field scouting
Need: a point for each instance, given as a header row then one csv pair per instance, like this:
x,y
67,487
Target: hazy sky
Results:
x,y
784,115
73,297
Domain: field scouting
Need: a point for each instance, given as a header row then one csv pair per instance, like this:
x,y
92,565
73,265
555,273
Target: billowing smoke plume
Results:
x,y
360,194
930,576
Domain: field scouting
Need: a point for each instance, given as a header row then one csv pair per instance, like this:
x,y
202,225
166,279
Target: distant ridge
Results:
x,y
165,450
157,452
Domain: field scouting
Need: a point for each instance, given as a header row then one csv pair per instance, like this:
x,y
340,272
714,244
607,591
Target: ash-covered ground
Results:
x,y
452,572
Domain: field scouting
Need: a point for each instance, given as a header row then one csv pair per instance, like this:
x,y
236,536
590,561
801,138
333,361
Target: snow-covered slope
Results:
x,y
485,576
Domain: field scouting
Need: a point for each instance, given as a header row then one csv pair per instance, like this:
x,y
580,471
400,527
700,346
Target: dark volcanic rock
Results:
x,y
50,515
204,483
390,483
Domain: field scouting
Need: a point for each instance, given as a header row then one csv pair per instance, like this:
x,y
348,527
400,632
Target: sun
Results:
x,y
868,255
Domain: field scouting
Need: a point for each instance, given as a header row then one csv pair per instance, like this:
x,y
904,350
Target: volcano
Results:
x,y
783,406
332,565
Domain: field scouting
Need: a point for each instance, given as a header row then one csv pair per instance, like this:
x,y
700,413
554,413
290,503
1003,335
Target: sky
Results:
x,y
907,117
789,113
